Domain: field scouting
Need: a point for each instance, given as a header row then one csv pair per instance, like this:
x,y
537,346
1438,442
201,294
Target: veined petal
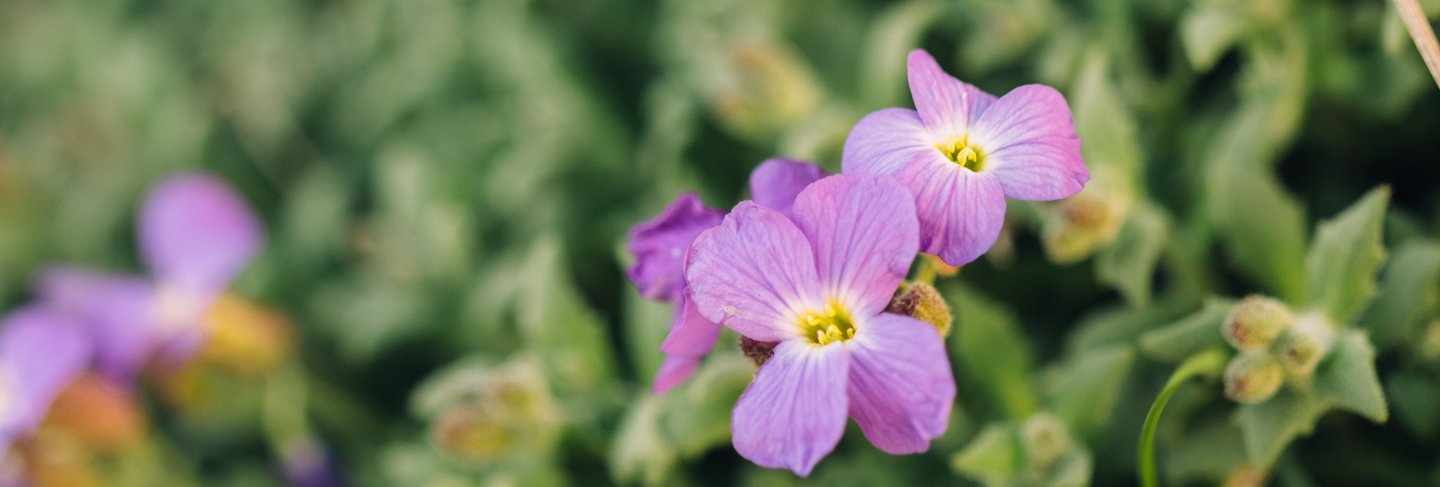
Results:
x,y
1030,146
960,211
41,350
885,141
659,246
690,333
195,233
865,235
754,273
775,182
901,387
793,413
674,370
118,311
947,105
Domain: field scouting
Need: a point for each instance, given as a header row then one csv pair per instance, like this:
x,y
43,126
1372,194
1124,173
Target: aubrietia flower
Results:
x,y
41,350
962,152
818,285
659,247
195,234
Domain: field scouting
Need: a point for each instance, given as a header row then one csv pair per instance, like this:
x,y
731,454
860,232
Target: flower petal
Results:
x,y
754,273
659,246
118,311
884,141
775,182
674,370
865,236
690,333
901,387
960,211
793,413
947,105
41,350
196,233
1030,145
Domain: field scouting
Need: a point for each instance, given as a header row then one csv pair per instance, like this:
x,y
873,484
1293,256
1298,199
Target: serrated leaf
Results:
x,y
1410,288
1269,426
992,352
1191,334
1416,399
993,457
1123,325
1347,379
1346,254
1083,391
1128,263
1263,227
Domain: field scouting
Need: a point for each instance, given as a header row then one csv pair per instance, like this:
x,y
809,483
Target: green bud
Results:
x,y
1255,323
921,301
1090,219
1430,342
1045,439
757,351
1304,346
1253,377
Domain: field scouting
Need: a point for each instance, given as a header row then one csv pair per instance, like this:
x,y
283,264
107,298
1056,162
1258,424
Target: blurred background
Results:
x,y
447,185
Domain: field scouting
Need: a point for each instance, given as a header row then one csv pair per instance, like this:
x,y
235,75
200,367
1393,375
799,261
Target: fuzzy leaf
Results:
x,y
641,454
697,413
1347,380
1269,426
1346,254
1263,227
992,352
1408,291
1191,334
1102,121
1084,390
1128,263
1207,32
993,458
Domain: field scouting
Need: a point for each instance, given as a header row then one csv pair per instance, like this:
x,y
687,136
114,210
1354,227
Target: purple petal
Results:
x,y
690,333
865,236
793,413
1029,142
885,141
775,182
960,211
117,310
41,350
901,388
947,105
196,233
754,273
674,370
659,246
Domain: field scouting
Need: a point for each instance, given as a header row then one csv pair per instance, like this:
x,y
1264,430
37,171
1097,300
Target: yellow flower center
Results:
x,y
960,151
833,324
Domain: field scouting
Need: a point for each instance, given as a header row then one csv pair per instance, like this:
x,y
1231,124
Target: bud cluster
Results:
x,y
1276,348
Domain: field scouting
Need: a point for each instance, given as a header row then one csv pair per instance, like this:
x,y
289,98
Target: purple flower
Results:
x,y
41,350
195,235
659,246
962,152
818,284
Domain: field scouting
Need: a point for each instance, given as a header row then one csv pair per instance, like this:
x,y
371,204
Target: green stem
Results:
x,y
926,272
1207,363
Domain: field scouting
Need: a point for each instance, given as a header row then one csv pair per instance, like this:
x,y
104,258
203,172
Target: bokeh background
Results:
x,y
447,185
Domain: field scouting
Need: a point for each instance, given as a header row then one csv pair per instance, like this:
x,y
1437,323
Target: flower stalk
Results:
x,y
1422,34
1208,363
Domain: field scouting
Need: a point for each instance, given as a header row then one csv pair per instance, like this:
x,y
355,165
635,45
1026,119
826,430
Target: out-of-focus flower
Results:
x,y
245,337
307,463
659,246
487,416
195,234
41,350
761,88
100,415
962,152
818,285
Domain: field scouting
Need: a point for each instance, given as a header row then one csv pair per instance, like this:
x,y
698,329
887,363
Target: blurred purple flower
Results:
x,y
195,234
962,152
41,350
659,246
817,284
307,463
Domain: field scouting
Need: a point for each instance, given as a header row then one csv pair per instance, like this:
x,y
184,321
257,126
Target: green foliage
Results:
x,y
1346,255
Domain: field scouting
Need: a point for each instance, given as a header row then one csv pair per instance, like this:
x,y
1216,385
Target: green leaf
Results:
x,y
994,456
1415,396
1263,227
697,413
1346,254
1103,122
1269,426
1191,334
1347,379
1082,392
640,453
992,352
1208,31
882,73
1128,263
1407,292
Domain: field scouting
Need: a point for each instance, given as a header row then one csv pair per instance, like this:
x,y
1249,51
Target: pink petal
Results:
x,y
960,211
674,370
196,233
793,414
775,182
901,387
41,350
1029,143
884,141
947,105
754,273
117,310
865,236
659,245
690,333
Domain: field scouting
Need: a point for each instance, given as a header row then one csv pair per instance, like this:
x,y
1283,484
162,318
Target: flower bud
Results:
x,y
757,351
1089,219
1253,377
1045,439
1304,346
1255,323
920,300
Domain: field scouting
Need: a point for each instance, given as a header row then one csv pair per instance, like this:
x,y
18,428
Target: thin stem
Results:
x,y
926,272
1207,363
1422,34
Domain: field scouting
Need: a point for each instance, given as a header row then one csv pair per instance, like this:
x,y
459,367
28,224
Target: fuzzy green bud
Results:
x,y
1253,377
1255,323
1045,439
1302,348
920,300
